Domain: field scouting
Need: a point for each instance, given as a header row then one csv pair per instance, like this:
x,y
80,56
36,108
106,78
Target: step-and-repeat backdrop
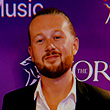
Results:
x,y
91,20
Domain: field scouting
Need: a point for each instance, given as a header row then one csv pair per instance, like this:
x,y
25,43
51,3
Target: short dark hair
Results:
x,y
53,11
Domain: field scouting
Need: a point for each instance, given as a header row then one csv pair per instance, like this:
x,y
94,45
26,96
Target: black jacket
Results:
x,y
88,98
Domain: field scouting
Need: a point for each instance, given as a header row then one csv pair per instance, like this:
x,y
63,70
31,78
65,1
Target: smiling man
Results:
x,y
52,49
53,44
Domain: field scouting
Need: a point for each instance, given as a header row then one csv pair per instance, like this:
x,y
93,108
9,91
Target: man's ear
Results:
x,y
75,45
30,53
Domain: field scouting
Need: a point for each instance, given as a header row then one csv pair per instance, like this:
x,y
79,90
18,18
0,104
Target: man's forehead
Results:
x,y
48,18
55,21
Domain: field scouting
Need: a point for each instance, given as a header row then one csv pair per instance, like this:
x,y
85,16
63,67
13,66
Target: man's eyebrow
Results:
x,y
59,31
55,31
38,34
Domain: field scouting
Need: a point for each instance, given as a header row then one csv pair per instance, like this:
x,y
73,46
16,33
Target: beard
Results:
x,y
54,71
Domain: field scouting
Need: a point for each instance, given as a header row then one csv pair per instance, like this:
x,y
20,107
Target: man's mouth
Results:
x,y
52,56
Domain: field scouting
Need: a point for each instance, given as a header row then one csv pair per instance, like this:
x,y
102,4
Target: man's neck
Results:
x,y
57,89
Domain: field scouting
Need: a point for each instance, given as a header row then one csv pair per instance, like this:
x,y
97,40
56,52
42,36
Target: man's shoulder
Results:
x,y
22,98
22,91
91,96
92,91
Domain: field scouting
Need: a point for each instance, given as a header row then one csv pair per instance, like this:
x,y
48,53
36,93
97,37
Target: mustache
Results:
x,y
51,53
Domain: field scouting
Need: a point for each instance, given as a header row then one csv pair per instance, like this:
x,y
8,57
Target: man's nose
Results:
x,y
50,46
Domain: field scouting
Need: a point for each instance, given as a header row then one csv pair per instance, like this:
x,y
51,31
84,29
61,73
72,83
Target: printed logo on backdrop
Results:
x,y
108,7
32,71
23,9
20,10
82,69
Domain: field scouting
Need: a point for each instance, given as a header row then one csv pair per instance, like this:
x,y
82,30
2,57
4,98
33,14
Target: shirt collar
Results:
x,y
39,89
73,89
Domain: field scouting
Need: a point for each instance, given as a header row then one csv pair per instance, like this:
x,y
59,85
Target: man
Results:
x,y
53,44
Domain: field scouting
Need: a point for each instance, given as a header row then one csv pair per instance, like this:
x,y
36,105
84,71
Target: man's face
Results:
x,y
52,45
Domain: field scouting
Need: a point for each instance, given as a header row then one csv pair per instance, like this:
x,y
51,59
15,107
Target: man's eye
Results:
x,y
57,37
40,41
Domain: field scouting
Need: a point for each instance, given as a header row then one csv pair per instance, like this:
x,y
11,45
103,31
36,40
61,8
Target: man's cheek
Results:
x,y
66,51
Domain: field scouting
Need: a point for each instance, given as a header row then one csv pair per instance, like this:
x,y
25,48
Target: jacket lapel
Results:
x,y
31,103
82,97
